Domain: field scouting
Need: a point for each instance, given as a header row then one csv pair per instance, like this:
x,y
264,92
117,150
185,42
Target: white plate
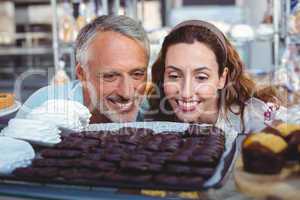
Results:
x,y
157,127
11,109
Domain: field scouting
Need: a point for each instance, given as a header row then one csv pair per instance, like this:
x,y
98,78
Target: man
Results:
x,y
112,54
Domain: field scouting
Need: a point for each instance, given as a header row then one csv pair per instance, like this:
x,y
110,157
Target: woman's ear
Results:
x,y
223,78
80,73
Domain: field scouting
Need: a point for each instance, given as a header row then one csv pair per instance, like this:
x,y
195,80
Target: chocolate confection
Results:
x,y
51,162
99,165
159,158
80,174
179,180
190,170
77,143
140,166
131,155
57,153
291,134
293,146
131,178
263,153
94,155
46,172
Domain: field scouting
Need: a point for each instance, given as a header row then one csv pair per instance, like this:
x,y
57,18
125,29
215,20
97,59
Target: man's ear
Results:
x,y
80,73
223,78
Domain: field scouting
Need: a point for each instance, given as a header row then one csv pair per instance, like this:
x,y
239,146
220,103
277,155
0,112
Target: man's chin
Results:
x,y
122,117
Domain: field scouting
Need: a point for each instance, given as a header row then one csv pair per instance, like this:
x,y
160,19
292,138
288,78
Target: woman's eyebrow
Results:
x,y
201,69
173,67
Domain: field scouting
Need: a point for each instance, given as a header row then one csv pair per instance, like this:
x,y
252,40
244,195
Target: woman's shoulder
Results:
x,y
258,113
255,115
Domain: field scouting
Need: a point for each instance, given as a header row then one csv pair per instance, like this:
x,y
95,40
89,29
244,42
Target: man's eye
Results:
x,y
109,77
138,75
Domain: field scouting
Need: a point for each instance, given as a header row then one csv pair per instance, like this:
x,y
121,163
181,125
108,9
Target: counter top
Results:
x,y
37,191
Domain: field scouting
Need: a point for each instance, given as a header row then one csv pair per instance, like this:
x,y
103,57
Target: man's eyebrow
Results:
x,y
107,72
138,69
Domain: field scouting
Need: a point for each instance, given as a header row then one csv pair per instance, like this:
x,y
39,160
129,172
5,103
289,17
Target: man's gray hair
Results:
x,y
120,24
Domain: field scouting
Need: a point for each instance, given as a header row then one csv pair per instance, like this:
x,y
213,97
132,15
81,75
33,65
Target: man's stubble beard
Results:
x,y
117,117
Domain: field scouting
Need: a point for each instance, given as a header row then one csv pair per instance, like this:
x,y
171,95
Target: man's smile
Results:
x,y
121,104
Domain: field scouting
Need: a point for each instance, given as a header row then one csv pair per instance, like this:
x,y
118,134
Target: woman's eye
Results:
x,y
201,77
173,76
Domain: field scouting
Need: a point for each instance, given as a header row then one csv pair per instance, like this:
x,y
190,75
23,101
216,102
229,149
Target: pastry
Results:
x,y
291,134
6,100
263,153
179,181
57,153
131,156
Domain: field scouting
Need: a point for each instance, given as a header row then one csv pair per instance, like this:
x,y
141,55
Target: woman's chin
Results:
x,y
186,118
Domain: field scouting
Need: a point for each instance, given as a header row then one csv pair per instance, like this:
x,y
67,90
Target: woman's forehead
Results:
x,y
191,56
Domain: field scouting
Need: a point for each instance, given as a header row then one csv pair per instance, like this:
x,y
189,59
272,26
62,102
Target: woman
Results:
x,y
200,78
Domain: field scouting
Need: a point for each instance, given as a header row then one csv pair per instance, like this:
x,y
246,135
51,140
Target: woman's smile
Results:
x,y
187,106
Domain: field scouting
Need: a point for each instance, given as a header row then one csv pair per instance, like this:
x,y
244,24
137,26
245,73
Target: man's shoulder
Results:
x,y
69,91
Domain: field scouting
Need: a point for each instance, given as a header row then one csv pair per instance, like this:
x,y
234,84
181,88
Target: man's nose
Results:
x,y
126,87
187,89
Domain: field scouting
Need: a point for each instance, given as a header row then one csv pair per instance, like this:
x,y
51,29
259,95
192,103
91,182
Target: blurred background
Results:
x,y
37,36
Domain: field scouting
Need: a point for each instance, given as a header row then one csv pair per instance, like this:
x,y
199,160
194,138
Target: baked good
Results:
x,y
132,155
263,153
56,153
291,134
6,100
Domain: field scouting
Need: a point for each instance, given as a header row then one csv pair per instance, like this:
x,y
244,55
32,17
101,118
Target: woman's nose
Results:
x,y
187,89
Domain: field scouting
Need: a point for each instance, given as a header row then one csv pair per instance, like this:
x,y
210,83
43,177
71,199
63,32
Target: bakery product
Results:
x,y
291,134
6,100
131,156
263,153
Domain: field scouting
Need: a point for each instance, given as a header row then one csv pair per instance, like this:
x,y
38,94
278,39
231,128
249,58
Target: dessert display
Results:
x,y
6,100
62,113
263,153
32,130
269,165
14,154
291,134
131,156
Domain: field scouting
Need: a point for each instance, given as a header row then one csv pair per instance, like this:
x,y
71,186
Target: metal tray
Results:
x,y
216,181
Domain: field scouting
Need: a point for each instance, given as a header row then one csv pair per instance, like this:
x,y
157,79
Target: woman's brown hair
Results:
x,y
239,87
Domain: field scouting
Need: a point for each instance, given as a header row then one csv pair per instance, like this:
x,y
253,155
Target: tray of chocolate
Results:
x,y
148,155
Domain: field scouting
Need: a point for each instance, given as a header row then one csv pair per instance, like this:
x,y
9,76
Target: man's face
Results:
x,y
115,76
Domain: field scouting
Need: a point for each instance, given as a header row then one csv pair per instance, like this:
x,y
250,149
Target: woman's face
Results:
x,y
191,82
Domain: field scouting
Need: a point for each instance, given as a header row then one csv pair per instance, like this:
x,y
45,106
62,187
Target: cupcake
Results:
x,y
263,153
291,134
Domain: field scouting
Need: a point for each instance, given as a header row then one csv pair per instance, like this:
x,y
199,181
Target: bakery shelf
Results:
x,y
30,1
4,51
